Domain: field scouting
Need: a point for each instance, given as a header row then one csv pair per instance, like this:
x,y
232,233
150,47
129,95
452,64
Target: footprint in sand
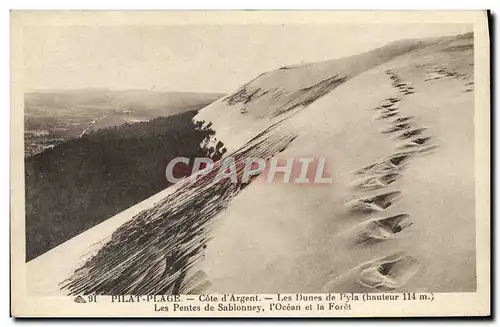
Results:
x,y
393,99
381,229
375,182
382,274
385,109
387,115
416,142
389,110
396,128
469,87
373,203
411,133
402,119
387,105
399,159
404,88
388,164
388,273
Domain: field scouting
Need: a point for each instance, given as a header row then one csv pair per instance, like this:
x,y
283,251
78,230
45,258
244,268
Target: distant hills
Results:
x,y
141,101
52,117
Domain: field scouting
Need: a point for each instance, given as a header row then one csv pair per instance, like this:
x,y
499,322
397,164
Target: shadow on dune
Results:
x,y
153,253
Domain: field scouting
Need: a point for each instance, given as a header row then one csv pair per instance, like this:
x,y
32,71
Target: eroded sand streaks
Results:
x,y
155,252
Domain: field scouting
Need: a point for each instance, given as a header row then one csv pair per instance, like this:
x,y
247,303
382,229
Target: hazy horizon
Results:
x,y
199,59
96,89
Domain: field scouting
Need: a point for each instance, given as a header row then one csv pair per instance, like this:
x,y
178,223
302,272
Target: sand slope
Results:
x,y
389,221
286,238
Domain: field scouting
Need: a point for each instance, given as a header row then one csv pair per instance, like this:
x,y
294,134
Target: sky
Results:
x,y
193,58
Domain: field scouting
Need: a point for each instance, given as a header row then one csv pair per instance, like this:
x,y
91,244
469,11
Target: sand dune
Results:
x,y
402,179
301,250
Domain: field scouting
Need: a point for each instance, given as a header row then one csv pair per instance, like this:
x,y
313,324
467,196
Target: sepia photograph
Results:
x,y
261,162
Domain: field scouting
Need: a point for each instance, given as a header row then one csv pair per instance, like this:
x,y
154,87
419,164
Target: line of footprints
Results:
x,y
391,272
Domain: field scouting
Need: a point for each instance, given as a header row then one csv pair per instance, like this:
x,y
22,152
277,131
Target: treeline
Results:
x,y
82,182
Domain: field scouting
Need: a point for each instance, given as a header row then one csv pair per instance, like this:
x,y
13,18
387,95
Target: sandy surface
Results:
x,y
290,238
286,238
